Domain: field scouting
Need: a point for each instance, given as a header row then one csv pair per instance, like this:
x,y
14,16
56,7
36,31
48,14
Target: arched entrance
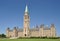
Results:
x,y
25,34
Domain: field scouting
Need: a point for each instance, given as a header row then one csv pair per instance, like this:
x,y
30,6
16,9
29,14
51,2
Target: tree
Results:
x,y
2,36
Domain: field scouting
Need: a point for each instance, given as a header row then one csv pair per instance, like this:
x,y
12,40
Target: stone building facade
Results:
x,y
38,31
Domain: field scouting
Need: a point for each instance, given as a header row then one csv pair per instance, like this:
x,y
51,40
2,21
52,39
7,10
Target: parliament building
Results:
x,y
38,31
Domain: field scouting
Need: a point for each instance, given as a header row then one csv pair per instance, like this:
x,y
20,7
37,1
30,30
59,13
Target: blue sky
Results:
x,y
40,11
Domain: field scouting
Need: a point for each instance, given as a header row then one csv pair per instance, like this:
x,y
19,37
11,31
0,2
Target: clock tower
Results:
x,y
26,23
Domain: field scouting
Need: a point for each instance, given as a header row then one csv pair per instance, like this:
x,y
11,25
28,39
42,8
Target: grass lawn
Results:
x,y
29,39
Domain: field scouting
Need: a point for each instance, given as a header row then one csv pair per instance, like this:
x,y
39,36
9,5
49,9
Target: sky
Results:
x,y
40,11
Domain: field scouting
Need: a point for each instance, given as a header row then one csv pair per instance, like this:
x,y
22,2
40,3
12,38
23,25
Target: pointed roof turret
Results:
x,y
26,9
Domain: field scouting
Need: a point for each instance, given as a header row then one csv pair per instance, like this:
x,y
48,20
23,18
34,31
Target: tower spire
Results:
x,y
26,9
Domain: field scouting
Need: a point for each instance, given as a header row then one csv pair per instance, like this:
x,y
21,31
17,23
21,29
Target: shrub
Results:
x,y
38,37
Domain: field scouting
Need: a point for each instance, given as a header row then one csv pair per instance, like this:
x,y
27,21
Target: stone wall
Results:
x,y
47,33
34,33
39,33
20,34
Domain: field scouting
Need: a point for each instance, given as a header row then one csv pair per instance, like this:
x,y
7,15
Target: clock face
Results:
x,y
26,17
